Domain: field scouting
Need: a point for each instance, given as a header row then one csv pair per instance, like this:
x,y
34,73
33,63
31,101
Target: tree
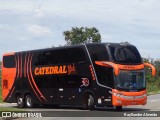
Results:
x,y
82,35
157,65
153,83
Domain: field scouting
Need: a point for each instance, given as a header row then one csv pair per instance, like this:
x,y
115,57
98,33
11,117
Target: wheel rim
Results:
x,y
19,100
89,101
28,101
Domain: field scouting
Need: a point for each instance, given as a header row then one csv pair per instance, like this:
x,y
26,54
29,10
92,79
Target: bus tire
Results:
x,y
118,108
28,101
88,102
91,102
20,101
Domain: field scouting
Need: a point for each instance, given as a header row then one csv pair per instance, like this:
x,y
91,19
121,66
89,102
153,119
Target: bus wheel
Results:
x,y
88,102
20,101
28,101
91,102
118,108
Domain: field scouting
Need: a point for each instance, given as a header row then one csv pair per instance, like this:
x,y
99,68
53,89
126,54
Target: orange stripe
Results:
x,y
130,67
92,73
35,83
30,80
8,54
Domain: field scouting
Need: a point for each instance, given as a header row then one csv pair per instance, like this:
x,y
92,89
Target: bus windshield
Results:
x,y
125,54
130,80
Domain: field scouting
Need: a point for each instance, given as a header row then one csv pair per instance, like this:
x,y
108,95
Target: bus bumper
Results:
x,y
121,98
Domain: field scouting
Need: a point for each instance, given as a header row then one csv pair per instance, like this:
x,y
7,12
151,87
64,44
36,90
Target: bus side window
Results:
x,y
77,55
60,56
9,61
98,53
69,55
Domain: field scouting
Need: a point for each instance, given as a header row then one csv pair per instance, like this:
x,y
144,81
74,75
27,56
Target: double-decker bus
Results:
x,y
88,75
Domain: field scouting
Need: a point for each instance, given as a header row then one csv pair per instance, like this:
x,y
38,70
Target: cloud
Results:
x,y
39,30
4,27
25,21
38,12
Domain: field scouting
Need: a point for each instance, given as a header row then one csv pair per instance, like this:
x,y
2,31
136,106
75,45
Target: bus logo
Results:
x,y
71,69
85,82
54,70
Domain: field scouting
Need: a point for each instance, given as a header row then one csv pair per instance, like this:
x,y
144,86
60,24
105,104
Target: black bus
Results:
x,y
88,75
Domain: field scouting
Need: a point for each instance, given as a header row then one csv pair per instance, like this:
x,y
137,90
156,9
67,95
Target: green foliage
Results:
x,y
0,85
0,92
153,83
82,35
0,95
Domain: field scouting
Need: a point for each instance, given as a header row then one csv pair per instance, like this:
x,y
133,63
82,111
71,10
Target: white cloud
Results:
x,y
5,27
135,21
37,11
39,30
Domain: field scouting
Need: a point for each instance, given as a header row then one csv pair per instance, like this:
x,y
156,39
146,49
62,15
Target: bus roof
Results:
x,y
71,46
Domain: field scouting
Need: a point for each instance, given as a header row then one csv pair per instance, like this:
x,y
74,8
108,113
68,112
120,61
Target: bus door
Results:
x,y
105,78
67,91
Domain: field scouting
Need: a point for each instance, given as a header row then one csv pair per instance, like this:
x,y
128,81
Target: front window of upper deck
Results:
x,y
125,54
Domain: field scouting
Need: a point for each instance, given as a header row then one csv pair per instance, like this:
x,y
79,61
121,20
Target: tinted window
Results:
x,y
105,75
98,52
61,56
9,61
125,54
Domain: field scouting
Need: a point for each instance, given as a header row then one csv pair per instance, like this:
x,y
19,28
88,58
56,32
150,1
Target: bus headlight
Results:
x,y
142,96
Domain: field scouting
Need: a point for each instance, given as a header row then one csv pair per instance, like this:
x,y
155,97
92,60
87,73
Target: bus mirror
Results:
x,y
109,64
152,67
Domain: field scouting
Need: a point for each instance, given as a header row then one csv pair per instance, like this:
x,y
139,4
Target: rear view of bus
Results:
x,y
8,76
129,84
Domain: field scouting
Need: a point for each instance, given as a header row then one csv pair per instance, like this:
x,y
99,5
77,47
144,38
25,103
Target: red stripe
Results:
x,y
34,81
29,78
21,66
17,66
11,94
25,67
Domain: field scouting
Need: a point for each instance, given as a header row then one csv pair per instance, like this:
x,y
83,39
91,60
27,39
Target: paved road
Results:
x,y
153,105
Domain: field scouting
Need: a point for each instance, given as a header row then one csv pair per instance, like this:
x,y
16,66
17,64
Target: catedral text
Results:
x,y
52,70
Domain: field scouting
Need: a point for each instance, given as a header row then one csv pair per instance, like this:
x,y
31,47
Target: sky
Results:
x,y
36,24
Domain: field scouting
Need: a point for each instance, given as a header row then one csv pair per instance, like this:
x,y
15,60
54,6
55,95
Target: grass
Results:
x,y
153,89
0,96
10,109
